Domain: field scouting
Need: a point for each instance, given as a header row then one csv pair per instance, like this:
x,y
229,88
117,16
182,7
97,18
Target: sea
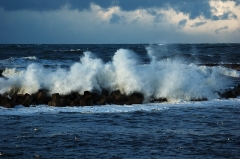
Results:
x,y
185,126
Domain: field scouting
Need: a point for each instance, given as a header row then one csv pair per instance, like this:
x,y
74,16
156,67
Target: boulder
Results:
x,y
5,102
86,101
54,103
55,100
159,100
55,97
20,98
63,102
41,97
102,100
135,98
89,101
121,99
236,90
27,100
75,102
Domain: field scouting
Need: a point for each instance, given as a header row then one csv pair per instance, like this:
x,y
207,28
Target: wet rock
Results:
x,y
136,98
102,100
63,102
1,71
158,100
236,90
231,93
86,101
121,99
20,98
27,100
5,102
75,102
105,92
55,97
41,97
54,103
55,100
116,94
110,99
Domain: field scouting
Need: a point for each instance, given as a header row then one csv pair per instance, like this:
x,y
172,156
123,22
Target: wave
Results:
x,y
30,58
24,62
166,78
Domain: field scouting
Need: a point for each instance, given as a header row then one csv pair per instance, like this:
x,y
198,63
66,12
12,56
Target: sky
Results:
x,y
119,21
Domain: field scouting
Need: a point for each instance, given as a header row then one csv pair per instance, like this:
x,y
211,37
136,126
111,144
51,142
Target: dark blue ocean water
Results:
x,y
65,55
175,129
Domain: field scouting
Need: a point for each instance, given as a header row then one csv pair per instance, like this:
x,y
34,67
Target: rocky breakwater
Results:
x,y
89,98
72,99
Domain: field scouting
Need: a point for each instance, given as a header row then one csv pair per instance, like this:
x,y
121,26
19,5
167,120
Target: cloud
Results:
x,y
220,29
193,8
182,23
226,16
72,21
197,24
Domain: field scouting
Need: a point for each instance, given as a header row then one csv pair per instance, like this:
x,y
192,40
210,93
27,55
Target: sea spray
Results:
x,y
161,78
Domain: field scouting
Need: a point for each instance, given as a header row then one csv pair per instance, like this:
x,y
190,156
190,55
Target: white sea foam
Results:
x,y
151,107
166,78
30,58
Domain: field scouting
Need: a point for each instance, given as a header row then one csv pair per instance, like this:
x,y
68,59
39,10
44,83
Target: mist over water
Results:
x,y
162,77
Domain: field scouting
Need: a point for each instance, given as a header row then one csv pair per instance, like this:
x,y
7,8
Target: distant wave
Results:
x,y
30,58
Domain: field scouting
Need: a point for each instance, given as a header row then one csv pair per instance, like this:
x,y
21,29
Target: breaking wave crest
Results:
x,y
164,78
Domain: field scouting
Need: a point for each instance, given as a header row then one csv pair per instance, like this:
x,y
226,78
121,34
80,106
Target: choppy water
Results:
x,y
183,130
176,129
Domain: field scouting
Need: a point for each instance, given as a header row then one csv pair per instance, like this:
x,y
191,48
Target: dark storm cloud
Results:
x,y
220,29
197,24
193,8
182,23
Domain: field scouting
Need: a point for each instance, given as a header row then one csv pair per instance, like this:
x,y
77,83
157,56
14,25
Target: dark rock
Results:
x,y
102,100
89,101
199,99
41,97
75,102
63,102
20,98
121,99
55,97
110,99
1,71
135,98
158,100
116,94
74,95
82,102
5,102
87,93
55,100
54,103
27,100
236,90
86,101
13,103
105,92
